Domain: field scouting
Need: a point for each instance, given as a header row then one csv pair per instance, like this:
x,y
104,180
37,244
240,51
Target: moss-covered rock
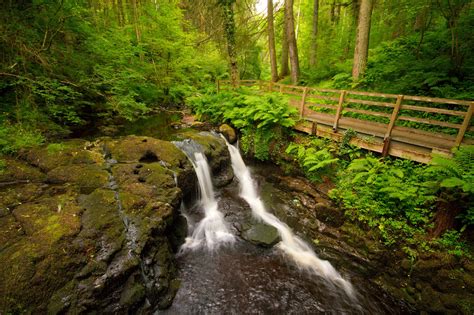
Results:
x,y
87,177
92,234
228,132
40,259
146,149
217,155
14,195
69,152
17,171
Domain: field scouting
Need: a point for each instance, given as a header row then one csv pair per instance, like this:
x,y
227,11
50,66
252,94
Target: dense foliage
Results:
x,y
416,47
261,119
69,65
396,199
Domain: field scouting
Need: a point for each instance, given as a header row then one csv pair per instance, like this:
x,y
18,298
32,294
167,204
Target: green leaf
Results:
x,y
452,182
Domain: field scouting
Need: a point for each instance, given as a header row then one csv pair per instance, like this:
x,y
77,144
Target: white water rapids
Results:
x,y
295,248
212,230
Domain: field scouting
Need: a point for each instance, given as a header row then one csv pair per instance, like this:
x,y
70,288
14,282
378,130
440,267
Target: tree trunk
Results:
x,y
293,49
362,39
314,35
285,69
271,41
229,26
445,217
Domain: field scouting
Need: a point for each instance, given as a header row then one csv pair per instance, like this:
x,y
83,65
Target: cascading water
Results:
x,y
212,230
300,252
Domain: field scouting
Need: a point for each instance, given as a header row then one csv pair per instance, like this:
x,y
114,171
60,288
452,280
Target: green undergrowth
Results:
x,y
398,199
262,119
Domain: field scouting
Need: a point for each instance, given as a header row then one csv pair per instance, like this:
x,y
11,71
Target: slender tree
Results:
x,y
285,69
229,28
314,34
271,41
292,47
362,39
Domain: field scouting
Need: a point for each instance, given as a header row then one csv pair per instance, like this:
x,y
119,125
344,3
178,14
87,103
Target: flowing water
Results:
x,y
293,246
245,278
212,230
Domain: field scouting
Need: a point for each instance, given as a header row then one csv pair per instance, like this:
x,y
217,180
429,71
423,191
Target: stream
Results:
x,y
235,277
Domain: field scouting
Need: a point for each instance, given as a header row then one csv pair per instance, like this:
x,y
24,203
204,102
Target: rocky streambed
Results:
x,y
94,227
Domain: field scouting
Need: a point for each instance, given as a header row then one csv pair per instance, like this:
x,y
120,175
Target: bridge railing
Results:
x,y
406,126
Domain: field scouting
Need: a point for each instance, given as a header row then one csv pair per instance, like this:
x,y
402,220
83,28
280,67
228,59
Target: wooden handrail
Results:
x,y
410,142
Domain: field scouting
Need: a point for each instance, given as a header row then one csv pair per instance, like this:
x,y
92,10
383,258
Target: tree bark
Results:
x,y
271,41
292,47
362,39
314,35
285,69
229,27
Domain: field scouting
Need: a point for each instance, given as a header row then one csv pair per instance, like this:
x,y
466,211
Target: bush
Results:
x,y
15,137
389,196
260,118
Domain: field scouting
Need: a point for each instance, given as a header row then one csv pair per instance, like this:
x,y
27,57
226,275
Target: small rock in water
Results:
x,y
228,132
262,235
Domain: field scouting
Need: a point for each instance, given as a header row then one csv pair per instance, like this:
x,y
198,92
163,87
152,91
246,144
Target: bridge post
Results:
x,y
393,119
339,110
464,126
303,101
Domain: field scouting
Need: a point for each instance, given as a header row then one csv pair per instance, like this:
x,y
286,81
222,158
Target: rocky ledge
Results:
x,y
93,226
433,283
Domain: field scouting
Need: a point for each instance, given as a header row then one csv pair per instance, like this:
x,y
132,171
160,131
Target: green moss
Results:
x,y
132,149
87,177
2,166
54,148
15,170
74,151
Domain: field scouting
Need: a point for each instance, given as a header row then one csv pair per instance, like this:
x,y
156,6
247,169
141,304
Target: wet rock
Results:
x,y
299,185
41,259
14,195
87,177
450,281
69,152
10,231
86,241
17,171
132,149
331,216
217,155
150,180
261,234
228,132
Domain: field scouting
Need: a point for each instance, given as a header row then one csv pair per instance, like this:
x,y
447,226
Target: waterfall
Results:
x,y
212,230
300,252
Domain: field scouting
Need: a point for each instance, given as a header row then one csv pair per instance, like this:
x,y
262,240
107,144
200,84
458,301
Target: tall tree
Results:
x,y
271,41
229,28
362,39
285,69
292,47
314,34
451,10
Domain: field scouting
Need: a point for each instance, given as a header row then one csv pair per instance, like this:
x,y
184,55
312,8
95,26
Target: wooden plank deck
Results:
x,y
411,127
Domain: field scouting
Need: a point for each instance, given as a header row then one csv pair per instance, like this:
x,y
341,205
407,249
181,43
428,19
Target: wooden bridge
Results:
x,y
411,127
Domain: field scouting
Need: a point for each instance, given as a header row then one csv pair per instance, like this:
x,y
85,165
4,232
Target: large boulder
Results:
x,y
88,226
218,156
